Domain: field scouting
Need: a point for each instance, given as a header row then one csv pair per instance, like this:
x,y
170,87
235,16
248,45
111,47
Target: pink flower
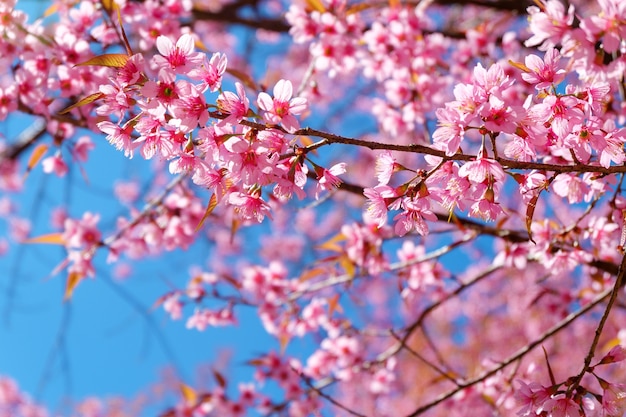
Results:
x,y
561,406
487,208
81,147
190,110
211,72
329,179
483,170
82,233
614,400
282,108
385,164
546,72
118,137
550,24
607,24
531,397
617,354
415,211
179,58
54,164
376,206
8,101
451,130
235,105
249,206
132,71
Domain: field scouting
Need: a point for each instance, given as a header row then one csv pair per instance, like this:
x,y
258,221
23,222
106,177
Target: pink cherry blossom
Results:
x,y
544,73
614,400
282,108
249,206
55,164
211,72
178,58
236,106
550,23
329,179
561,406
118,137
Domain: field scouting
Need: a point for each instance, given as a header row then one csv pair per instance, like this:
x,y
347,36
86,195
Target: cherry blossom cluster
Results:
x,y
499,148
233,159
555,400
15,403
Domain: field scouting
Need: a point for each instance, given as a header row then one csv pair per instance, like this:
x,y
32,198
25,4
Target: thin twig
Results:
x,y
328,397
614,292
516,356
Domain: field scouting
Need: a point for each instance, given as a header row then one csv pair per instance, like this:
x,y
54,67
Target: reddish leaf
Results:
x,y
530,210
545,354
221,381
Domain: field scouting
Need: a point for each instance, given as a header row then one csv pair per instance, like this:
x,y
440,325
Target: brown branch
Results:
x,y
230,14
517,6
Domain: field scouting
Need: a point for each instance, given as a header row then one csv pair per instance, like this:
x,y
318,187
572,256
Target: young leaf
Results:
x,y
188,394
83,101
311,273
244,78
107,60
209,210
35,157
519,66
72,281
333,304
51,10
332,243
530,210
107,5
50,239
284,341
316,5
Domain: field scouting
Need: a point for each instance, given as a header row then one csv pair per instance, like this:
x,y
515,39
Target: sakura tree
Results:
x,y
421,201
